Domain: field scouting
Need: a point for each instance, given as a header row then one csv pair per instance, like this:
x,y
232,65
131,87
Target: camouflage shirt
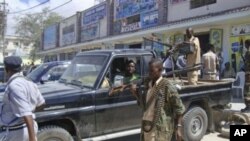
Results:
x,y
172,106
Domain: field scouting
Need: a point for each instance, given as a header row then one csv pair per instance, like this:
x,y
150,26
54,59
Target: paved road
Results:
x,y
235,106
208,137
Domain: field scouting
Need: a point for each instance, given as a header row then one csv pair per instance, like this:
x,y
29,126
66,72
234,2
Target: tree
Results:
x,y
30,27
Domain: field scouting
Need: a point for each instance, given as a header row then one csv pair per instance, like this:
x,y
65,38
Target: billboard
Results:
x,y
128,8
94,15
68,34
50,37
149,19
94,22
90,32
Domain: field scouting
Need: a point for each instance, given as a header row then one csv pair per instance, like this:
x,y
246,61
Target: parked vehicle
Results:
x,y
51,71
78,106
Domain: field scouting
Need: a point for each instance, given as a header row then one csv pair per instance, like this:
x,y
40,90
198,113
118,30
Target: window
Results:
x,y
200,3
55,73
133,19
119,69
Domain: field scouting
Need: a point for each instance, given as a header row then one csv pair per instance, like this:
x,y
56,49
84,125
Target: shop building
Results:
x,y
223,24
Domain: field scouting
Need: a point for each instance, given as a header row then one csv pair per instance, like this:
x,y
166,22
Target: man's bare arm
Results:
x,y
30,125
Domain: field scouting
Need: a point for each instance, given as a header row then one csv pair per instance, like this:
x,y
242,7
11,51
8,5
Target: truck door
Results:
x,y
120,111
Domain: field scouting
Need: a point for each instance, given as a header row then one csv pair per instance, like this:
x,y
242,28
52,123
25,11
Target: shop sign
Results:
x,y
90,32
94,15
68,31
131,27
50,37
149,19
128,8
240,30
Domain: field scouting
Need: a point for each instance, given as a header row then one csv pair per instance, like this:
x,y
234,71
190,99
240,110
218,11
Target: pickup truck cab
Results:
x,y
79,106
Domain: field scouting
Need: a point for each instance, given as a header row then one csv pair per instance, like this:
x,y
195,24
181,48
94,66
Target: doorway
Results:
x,y
204,40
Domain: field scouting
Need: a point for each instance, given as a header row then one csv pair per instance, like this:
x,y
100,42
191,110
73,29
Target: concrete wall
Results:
x,y
182,10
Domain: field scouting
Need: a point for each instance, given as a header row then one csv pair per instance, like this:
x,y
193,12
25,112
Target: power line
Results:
x,y
16,12
60,5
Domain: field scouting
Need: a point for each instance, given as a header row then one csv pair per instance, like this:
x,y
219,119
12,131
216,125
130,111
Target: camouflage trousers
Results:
x,y
247,88
156,135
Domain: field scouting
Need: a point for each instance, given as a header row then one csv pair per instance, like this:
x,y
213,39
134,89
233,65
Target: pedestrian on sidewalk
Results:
x,y
20,100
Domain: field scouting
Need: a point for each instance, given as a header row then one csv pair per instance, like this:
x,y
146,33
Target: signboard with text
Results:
x,y
94,22
50,37
68,34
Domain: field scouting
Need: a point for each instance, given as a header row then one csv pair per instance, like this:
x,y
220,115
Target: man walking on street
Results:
x,y
210,64
193,58
162,107
20,100
247,77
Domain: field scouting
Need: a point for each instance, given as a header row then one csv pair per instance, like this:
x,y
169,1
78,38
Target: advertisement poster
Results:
x,y
149,19
90,32
94,15
240,30
50,37
128,8
216,36
68,33
238,48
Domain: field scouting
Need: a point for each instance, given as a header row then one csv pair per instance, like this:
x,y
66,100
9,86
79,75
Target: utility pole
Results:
x,y
3,25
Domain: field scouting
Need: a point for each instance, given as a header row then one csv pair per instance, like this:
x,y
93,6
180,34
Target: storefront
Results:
x,y
239,34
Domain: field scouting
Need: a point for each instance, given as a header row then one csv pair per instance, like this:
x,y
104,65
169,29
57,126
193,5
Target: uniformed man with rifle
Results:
x,y
247,77
162,106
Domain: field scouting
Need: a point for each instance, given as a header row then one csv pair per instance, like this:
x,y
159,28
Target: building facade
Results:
x,y
124,24
17,46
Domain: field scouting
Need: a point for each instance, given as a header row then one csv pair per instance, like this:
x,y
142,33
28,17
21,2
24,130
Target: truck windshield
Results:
x,y
84,70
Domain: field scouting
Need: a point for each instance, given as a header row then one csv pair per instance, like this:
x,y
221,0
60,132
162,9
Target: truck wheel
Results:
x,y
53,133
195,124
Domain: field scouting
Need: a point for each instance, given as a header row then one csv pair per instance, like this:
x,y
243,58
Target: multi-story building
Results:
x,y
18,46
123,24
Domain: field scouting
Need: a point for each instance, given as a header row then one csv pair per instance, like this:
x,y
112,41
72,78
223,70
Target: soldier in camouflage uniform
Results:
x,y
162,107
247,77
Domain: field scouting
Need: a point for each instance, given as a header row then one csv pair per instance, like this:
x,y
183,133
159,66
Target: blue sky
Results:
x,y
65,11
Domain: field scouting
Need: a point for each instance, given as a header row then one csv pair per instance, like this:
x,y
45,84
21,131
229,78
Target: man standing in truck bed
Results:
x,y
247,77
193,58
162,107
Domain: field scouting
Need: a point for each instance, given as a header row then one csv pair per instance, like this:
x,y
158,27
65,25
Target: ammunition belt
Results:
x,y
159,104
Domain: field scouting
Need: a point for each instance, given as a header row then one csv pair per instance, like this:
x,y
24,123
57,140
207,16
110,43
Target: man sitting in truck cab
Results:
x,y
130,74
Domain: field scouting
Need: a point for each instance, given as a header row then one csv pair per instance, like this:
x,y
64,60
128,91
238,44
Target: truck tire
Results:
x,y
195,124
53,133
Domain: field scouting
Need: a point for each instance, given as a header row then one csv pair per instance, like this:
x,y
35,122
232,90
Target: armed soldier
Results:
x,y
162,107
247,77
193,58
